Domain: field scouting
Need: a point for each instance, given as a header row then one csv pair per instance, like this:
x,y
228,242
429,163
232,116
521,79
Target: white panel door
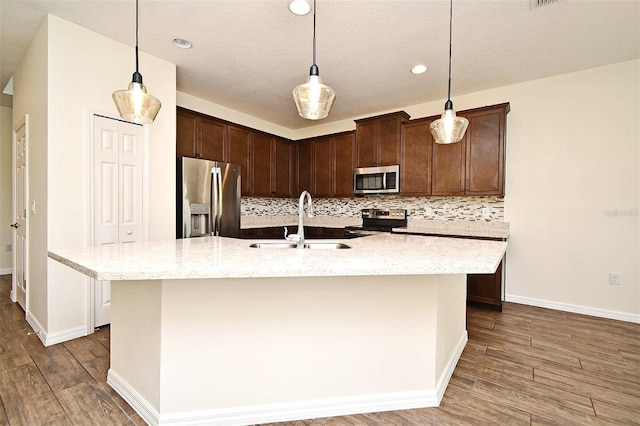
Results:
x,y
20,214
117,165
130,189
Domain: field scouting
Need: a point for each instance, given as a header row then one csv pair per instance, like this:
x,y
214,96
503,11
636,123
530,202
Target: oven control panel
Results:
x,y
397,214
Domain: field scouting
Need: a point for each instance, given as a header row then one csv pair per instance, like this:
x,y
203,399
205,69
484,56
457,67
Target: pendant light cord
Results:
x,y
314,32
137,71
450,32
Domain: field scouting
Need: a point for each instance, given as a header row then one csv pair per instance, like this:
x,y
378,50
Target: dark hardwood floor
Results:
x,y
522,366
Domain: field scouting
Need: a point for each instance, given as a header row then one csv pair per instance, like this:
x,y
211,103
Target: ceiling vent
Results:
x,y
538,3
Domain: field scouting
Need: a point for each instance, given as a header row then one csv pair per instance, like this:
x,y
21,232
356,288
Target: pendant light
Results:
x,y
313,98
449,128
135,104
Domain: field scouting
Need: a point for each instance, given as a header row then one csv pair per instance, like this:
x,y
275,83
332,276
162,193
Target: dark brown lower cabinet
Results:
x,y
485,290
277,232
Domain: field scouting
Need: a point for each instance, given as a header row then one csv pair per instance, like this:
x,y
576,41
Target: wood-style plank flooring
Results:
x,y
523,366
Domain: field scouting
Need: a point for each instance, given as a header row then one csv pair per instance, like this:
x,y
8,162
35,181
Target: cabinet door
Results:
x,y
485,152
261,165
366,144
389,140
239,143
448,176
283,168
415,159
344,149
305,171
187,133
214,135
323,167
486,289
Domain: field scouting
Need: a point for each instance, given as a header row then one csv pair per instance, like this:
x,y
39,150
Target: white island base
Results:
x,y
233,351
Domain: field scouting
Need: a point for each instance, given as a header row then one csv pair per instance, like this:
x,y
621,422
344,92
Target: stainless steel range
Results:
x,y
375,221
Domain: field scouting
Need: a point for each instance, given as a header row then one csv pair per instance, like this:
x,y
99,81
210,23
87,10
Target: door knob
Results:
x,y
15,225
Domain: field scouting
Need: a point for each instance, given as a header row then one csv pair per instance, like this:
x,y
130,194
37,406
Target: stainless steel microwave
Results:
x,y
376,180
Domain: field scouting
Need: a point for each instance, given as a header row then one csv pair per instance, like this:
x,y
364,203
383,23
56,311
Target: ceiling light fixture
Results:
x,y
449,128
313,98
182,43
419,69
135,104
299,7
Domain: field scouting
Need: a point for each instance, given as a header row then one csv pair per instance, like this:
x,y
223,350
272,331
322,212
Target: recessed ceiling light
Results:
x,y
182,43
299,7
419,69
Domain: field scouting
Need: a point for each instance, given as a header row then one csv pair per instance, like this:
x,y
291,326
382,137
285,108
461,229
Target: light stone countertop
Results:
x,y
247,222
221,257
417,226
456,228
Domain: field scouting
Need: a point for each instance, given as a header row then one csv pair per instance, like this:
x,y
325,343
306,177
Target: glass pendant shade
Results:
x,y
135,104
313,98
449,128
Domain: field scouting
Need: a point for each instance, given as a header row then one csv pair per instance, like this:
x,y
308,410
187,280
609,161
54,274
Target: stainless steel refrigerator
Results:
x,y
207,198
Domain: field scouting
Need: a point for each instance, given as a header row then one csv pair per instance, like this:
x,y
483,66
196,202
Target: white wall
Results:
x,y
573,191
30,97
83,68
572,186
6,131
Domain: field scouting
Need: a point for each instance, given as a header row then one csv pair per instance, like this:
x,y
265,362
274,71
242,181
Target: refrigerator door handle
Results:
x,y
213,215
219,204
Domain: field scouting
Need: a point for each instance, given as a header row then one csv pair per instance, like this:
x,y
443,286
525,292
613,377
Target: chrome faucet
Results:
x,y
299,237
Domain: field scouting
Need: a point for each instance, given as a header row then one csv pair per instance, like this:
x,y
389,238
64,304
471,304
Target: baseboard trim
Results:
x,y
576,309
63,336
59,337
268,413
443,382
37,328
6,271
133,398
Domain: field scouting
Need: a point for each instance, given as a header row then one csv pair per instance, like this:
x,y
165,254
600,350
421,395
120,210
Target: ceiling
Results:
x,y
248,55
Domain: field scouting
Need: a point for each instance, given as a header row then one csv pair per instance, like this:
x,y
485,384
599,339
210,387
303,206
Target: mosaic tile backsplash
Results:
x,y
473,209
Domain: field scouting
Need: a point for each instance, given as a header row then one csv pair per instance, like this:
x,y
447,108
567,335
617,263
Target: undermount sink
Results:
x,y
313,245
325,245
273,245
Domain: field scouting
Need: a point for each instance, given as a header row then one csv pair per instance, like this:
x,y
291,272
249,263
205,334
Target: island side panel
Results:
x,y
451,333
135,343
239,343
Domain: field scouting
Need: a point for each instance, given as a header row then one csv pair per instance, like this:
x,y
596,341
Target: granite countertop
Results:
x,y
457,228
292,220
221,257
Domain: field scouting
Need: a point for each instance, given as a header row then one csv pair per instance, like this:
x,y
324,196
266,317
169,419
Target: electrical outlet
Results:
x,y
9,247
614,279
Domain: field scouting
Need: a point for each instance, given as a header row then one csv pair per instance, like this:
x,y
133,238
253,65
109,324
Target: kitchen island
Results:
x,y
211,331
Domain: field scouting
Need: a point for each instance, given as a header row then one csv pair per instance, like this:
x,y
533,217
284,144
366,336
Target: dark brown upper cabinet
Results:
x,y
200,136
304,166
325,165
283,182
261,165
239,149
415,158
344,147
475,165
378,139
